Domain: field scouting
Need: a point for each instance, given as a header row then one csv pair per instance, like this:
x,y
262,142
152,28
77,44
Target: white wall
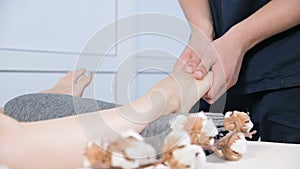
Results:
x,y
40,41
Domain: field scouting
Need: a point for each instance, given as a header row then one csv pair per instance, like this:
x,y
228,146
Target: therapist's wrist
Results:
x,y
206,28
240,37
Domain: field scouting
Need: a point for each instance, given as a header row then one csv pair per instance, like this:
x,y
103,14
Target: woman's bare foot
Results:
x,y
192,90
177,93
181,91
73,83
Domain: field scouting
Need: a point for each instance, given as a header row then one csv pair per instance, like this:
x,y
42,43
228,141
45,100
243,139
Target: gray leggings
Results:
x,y
40,106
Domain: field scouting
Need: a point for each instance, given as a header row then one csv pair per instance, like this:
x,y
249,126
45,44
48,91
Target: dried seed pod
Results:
x,y
179,153
129,151
237,121
234,146
95,154
201,129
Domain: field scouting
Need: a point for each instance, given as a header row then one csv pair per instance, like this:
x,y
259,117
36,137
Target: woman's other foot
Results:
x,y
73,83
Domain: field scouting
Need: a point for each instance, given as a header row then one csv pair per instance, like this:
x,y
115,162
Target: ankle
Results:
x,y
173,104
172,96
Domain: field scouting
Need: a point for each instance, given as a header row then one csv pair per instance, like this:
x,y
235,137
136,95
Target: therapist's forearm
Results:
x,y
198,14
275,17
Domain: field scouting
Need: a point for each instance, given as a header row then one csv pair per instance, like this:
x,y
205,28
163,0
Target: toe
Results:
x,y
78,74
81,84
84,81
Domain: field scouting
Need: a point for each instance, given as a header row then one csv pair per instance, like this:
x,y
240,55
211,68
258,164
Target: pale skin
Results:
x,y
198,14
73,83
59,143
273,18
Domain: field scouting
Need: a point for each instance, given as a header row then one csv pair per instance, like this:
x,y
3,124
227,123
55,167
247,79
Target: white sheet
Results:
x,y
261,155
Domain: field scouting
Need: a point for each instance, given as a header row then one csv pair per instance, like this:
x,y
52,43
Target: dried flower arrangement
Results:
x,y
182,148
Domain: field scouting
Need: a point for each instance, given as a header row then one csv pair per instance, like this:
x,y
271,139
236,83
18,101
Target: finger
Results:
x,y
192,64
186,54
200,71
205,84
212,96
183,59
218,88
208,59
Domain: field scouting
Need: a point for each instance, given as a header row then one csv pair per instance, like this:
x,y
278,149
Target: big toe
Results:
x,y
84,81
78,74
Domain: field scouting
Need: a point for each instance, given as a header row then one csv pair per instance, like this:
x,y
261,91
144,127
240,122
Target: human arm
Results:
x,y
198,14
226,53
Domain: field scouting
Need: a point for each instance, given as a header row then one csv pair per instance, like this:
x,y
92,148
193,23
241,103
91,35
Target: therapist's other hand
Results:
x,y
224,57
191,55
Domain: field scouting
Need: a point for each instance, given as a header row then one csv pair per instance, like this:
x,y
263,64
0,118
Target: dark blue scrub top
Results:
x,y
273,63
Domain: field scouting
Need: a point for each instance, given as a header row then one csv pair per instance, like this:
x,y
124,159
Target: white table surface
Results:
x,y
261,155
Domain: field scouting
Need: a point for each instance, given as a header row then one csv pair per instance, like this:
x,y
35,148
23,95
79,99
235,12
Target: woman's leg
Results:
x,y
41,145
59,143
59,101
45,106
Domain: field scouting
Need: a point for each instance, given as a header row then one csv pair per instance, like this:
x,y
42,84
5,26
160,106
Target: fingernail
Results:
x,y
188,69
87,73
199,74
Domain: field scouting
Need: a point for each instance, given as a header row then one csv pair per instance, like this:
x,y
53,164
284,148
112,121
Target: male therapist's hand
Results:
x,y
223,56
190,57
